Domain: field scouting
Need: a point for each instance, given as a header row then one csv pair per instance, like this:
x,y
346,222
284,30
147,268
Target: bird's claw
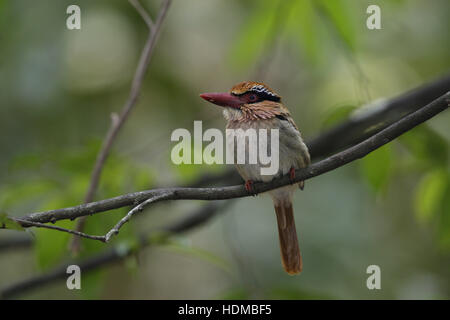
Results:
x,y
249,187
301,185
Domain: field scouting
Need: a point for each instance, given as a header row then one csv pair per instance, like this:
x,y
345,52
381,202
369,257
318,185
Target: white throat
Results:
x,y
232,114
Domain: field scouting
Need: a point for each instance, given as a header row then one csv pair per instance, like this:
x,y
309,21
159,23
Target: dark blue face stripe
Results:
x,y
262,92
265,96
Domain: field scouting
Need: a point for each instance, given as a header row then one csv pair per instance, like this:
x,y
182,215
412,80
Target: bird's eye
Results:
x,y
252,97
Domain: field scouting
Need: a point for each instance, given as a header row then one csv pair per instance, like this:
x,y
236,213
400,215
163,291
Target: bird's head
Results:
x,y
248,100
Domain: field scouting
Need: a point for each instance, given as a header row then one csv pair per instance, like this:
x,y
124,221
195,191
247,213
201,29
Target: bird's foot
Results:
x,y
301,184
249,187
292,175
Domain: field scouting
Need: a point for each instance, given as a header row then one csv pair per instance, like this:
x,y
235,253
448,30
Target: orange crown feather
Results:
x,y
256,87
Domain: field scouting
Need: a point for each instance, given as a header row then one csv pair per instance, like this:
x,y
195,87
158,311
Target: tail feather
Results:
x,y
290,251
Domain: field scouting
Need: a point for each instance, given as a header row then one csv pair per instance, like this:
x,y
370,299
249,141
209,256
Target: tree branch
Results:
x,y
143,13
326,143
15,242
132,212
119,120
46,226
208,211
222,193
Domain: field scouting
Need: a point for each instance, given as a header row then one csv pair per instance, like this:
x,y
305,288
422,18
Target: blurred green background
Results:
x,y
58,88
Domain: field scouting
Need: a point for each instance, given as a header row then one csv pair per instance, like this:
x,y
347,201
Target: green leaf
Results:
x,y
8,223
432,203
51,246
427,146
376,167
444,218
429,195
92,283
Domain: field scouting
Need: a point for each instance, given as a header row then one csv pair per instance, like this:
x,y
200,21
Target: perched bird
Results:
x,y
254,105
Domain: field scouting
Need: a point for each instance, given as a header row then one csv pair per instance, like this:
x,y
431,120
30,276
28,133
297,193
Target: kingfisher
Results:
x,y
254,105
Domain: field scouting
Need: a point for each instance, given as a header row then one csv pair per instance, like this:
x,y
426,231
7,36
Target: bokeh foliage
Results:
x,y
59,87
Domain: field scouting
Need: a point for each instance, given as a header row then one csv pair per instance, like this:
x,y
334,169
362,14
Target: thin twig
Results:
x,y
26,223
105,238
144,15
117,123
131,213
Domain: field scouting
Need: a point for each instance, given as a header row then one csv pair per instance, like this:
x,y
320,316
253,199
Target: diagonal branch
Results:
x,y
132,212
143,13
345,134
222,193
119,120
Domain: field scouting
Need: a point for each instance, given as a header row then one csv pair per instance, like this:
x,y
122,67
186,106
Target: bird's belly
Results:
x,y
287,157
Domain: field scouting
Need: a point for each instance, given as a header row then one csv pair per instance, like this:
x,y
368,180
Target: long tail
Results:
x,y
290,251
